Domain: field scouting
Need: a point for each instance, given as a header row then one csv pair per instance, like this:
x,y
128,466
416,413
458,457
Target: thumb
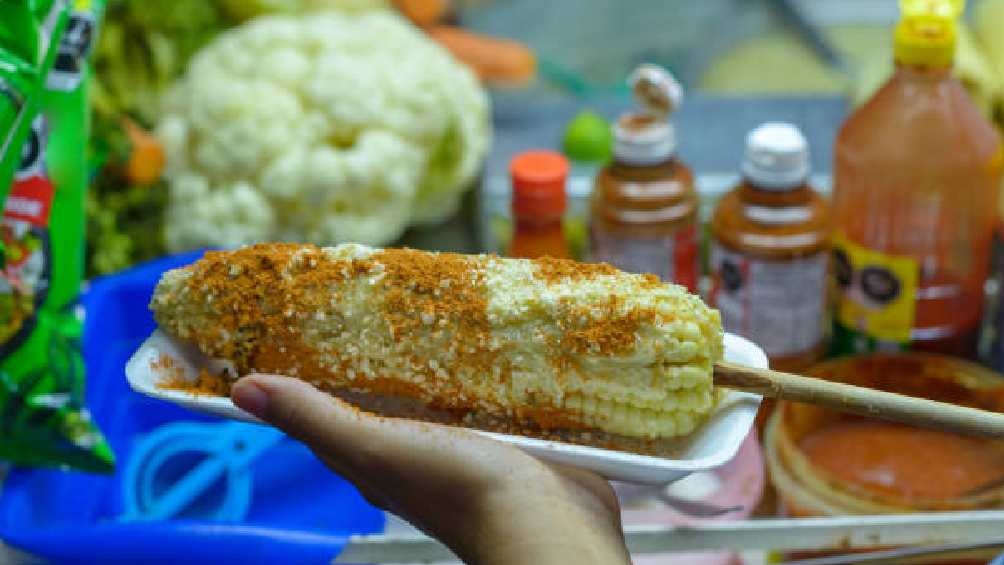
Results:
x,y
319,420
341,436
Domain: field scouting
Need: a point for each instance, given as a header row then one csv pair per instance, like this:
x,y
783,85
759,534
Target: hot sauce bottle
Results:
x,y
770,251
916,175
644,206
539,201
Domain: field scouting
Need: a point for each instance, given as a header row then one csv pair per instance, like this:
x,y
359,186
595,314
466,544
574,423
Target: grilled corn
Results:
x,y
553,343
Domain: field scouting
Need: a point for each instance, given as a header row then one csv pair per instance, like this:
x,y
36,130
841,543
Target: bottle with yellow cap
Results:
x,y
916,176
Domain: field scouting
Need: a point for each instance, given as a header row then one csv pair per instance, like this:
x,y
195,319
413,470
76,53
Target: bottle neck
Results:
x,y
753,194
636,172
535,223
921,73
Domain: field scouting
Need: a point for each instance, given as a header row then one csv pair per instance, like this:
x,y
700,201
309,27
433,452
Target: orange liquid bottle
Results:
x,y
916,175
538,205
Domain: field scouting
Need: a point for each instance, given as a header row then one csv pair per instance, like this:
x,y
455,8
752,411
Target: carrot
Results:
x,y
494,60
423,13
146,157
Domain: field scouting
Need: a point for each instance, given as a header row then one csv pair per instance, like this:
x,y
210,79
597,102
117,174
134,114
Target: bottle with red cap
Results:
x,y
538,205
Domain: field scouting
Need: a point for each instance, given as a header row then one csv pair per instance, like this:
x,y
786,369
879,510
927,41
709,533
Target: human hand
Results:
x,y
487,501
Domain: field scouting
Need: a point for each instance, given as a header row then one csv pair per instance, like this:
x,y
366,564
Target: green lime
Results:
x,y
588,138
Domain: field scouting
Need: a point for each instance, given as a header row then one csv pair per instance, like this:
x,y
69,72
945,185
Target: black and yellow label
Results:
x,y
877,291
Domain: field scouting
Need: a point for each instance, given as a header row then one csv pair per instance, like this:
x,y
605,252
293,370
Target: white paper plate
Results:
x,y
712,444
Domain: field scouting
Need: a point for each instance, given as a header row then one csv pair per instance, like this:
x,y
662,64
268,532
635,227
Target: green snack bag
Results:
x,y
42,417
27,31
20,33
19,93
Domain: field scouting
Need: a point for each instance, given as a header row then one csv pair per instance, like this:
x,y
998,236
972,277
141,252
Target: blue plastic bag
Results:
x,y
299,511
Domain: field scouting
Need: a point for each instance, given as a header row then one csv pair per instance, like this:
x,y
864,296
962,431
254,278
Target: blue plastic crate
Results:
x,y
299,511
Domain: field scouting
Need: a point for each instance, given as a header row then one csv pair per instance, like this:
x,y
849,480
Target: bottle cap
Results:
x,y
538,184
655,90
777,156
645,137
926,32
638,140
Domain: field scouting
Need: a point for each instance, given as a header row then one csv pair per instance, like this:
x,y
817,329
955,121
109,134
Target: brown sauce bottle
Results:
x,y
770,252
644,206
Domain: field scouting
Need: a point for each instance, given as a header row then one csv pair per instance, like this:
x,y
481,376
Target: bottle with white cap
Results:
x,y
770,251
644,206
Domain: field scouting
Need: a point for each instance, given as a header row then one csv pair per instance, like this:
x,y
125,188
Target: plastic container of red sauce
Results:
x,y
824,463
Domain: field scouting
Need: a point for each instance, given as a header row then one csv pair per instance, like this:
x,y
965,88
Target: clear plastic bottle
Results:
x,y
770,251
644,206
916,176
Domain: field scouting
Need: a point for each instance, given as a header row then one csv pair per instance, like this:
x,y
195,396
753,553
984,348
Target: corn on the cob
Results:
x,y
555,343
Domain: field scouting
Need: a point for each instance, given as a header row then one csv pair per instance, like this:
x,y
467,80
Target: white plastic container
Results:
x,y
711,445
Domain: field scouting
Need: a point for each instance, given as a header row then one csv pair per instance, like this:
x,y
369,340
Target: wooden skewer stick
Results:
x,y
860,400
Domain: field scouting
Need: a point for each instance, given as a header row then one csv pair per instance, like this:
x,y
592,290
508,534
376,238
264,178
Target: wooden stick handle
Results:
x,y
860,400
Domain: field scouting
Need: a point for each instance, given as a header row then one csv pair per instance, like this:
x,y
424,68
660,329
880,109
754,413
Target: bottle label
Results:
x,y
779,304
673,258
876,296
24,229
772,216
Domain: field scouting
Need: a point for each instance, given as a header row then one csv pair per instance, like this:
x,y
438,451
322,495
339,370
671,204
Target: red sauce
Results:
x,y
902,461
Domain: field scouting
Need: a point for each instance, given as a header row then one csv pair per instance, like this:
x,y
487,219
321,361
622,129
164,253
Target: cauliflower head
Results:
x,y
241,10
328,127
